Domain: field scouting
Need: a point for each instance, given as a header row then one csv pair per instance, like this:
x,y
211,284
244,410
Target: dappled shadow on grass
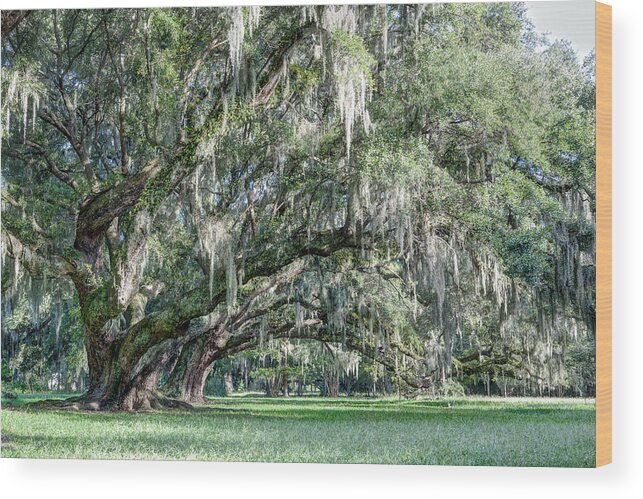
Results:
x,y
32,399
329,410
322,430
212,435
347,408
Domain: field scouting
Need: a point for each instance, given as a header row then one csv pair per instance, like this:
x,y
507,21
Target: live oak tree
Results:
x,y
383,179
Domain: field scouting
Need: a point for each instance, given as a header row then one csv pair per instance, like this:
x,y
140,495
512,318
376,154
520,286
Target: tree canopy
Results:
x,y
411,185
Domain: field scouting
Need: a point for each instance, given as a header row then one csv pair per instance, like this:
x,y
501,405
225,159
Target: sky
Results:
x,y
571,20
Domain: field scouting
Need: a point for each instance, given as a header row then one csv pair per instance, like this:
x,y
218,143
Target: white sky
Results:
x,y
571,20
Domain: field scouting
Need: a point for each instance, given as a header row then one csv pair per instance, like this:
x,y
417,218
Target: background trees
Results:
x,y
412,183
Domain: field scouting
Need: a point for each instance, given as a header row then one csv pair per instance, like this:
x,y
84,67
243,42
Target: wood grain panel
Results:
x,y
604,234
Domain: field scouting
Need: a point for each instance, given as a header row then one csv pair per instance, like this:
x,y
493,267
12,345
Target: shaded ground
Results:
x,y
513,432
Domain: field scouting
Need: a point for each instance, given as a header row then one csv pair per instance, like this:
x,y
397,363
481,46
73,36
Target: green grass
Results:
x,y
473,431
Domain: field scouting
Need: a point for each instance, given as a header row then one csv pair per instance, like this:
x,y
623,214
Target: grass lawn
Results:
x,y
472,431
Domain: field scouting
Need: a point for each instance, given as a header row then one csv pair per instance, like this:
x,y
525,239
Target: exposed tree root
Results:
x,y
151,402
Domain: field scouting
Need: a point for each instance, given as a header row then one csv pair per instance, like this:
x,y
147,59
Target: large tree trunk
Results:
x,y
187,380
128,394
102,361
141,394
194,383
124,374
174,386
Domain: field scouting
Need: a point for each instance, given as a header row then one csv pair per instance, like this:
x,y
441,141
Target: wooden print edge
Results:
x,y
603,234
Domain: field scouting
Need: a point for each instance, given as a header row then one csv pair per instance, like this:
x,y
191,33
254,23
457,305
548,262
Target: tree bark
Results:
x,y
11,19
124,374
194,383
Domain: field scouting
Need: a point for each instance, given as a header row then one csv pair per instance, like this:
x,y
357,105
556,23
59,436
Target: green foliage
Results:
x,y
439,191
525,254
305,79
394,161
353,48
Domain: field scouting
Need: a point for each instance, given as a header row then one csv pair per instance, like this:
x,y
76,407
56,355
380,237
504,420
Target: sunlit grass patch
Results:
x,y
515,432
